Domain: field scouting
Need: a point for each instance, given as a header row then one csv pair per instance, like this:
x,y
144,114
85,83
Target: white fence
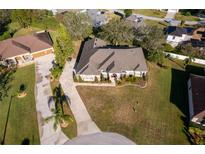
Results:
x,y
182,57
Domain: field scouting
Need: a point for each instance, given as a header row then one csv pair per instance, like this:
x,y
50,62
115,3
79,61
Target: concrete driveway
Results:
x,y
85,125
43,92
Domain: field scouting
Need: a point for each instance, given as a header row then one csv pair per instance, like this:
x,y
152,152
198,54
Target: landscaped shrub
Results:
x,y
75,78
168,47
197,135
56,71
96,79
80,79
22,88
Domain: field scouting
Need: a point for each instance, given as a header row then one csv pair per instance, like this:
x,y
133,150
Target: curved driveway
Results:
x,y
85,125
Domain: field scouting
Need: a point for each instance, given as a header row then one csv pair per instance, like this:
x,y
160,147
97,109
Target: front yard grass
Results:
x,y
179,16
154,115
22,125
150,12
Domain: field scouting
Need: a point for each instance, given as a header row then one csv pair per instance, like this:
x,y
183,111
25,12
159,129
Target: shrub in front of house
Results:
x,y
80,79
75,77
96,80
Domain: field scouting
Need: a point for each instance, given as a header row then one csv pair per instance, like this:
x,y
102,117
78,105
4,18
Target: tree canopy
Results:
x,y
151,38
63,46
128,12
117,32
78,24
23,17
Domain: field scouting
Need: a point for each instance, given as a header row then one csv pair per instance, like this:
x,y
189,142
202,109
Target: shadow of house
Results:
x,y
190,69
179,92
178,95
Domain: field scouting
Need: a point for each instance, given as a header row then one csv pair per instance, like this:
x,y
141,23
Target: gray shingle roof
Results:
x,y
113,60
179,31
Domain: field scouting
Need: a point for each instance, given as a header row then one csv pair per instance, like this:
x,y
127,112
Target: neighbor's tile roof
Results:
x,y
25,44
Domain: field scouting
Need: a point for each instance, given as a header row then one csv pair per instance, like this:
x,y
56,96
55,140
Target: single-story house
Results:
x,y
99,60
23,49
176,35
196,92
98,17
198,37
135,21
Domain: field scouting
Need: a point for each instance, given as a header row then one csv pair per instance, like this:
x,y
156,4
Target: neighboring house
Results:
x,y
97,60
196,91
24,49
177,35
198,37
98,17
135,20
62,11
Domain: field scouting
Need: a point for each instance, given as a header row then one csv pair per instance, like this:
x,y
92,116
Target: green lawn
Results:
x,y
25,31
161,25
150,12
22,125
154,115
179,16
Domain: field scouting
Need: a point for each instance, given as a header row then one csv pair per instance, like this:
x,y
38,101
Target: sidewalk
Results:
x,y
85,125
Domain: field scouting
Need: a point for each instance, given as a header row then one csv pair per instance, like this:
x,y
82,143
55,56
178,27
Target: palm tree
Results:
x,y
58,97
58,113
59,118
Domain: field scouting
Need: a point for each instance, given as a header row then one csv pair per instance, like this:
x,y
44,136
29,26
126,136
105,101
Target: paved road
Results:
x,y
85,125
170,15
175,21
43,93
150,18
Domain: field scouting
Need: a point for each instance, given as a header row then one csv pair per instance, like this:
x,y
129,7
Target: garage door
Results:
x,y
42,53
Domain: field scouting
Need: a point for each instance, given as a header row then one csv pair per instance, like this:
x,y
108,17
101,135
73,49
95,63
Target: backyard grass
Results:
x,y
179,16
71,129
161,25
22,125
150,12
154,115
25,31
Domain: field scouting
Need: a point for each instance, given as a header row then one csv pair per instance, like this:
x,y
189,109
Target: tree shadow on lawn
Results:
x,y
25,141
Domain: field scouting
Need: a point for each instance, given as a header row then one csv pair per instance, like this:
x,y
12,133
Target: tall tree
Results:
x,y
59,118
78,24
6,76
23,17
128,12
151,38
4,17
118,32
63,46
